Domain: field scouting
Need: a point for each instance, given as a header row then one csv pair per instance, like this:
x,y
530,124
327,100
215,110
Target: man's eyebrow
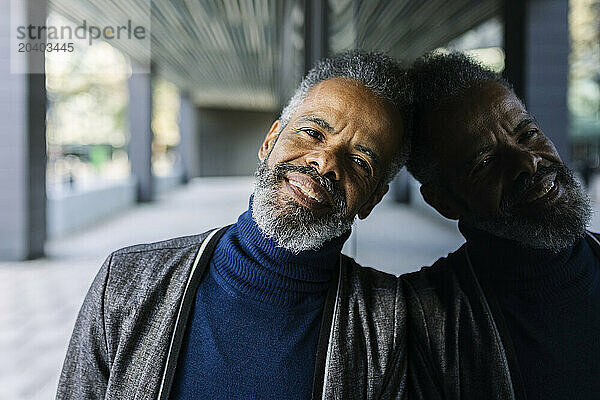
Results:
x,y
318,121
368,152
523,123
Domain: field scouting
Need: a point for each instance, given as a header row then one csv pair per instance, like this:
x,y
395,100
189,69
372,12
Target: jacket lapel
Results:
x,y
197,272
327,324
510,385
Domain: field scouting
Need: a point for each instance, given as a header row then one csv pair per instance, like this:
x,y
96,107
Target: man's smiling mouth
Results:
x,y
307,191
542,194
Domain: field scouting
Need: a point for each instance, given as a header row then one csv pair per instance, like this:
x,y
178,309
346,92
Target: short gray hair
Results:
x,y
383,75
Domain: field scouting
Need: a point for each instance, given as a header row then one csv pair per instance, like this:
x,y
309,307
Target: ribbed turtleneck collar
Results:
x,y
535,275
253,265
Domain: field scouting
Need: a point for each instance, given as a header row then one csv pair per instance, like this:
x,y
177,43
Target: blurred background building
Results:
x,y
120,144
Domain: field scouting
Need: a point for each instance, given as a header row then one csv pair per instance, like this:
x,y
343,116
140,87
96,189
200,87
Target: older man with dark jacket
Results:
x,y
268,307
515,312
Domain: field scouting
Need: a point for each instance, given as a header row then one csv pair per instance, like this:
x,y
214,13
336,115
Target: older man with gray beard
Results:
x,y
515,312
268,307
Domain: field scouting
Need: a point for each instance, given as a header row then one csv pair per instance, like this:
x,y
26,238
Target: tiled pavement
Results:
x,y
38,303
39,299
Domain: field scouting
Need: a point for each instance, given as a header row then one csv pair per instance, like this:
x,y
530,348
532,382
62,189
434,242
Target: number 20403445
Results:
x,y
46,47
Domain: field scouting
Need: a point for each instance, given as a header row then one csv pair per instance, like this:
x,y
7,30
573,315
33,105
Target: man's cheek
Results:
x,y
354,201
494,202
484,202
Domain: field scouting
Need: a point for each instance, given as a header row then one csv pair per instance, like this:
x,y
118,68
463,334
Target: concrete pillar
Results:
x,y
23,149
287,81
140,127
536,41
188,144
315,32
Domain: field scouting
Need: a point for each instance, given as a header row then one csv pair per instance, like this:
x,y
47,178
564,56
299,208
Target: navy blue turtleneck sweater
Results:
x,y
255,323
550,304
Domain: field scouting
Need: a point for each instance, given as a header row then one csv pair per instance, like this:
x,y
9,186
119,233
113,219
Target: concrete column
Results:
x,y
315,32
287,81
188,144
23,149
537,49
140,127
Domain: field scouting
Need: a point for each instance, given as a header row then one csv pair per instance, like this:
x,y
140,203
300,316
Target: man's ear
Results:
x,y
443,201
269,142
366,209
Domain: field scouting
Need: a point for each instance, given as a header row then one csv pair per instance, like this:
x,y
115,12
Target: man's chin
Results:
x,y
292,225
554,228
557,221
296,228
290,205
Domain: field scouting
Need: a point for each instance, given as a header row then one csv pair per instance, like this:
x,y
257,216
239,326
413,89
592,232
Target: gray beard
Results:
x,y
292,226
555,228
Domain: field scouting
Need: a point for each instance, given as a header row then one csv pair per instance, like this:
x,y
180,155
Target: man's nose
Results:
x,y
326,163
525,164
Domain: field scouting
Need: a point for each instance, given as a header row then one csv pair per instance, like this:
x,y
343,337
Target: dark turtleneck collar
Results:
x,y
254,266
535,275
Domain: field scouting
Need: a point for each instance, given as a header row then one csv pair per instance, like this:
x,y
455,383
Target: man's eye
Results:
x,y
528,135
313,133
483,163
361,163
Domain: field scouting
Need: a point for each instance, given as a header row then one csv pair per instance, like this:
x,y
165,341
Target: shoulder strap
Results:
x,y
200,265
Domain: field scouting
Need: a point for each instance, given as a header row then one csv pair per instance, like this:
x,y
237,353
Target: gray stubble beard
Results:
x,y
556,228
292,226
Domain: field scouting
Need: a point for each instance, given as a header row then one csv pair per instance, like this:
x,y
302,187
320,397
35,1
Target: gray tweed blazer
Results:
x,y
129,330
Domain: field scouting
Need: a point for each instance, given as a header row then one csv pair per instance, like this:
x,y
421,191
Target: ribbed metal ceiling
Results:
x,y
226,50
221,52
226,53
104,13
404,28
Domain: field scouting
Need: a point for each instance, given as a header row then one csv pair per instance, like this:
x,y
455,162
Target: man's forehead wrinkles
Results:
x,y
489,121
510,105
507,102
